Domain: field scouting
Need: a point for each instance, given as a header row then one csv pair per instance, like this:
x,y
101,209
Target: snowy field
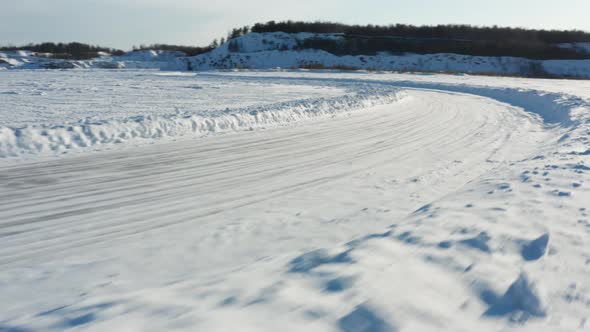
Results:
x,y
317,201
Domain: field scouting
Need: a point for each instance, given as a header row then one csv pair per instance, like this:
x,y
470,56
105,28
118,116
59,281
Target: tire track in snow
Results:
x,y
89,199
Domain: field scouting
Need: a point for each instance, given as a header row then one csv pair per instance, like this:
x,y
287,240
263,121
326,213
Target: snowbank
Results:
x,y
87,133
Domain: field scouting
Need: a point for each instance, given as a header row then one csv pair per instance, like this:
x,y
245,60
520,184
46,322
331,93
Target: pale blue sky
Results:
x,y
123,23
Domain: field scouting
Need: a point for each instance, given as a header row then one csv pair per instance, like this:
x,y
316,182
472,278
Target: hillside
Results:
x,y
146,59
456,39
284,50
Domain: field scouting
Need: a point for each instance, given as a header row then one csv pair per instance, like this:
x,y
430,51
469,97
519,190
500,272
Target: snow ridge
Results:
x,y
88,132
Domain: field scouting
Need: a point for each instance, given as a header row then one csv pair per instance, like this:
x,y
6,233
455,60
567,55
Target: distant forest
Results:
x,y
80,51
461,32
72,51
460,39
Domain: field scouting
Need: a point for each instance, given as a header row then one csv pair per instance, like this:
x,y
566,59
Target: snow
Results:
x,y
145,59
282,50
105,108
581,47
577,68
272,50
412,203
272,41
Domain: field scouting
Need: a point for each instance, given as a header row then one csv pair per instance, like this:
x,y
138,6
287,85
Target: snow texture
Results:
x,y
390,202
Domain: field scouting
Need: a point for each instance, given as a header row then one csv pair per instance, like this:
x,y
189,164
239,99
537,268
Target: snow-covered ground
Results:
x,y
406,203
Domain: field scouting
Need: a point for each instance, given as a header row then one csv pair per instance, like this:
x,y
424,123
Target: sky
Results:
x,y
125,23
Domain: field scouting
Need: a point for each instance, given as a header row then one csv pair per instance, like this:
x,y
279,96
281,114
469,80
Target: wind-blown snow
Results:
x,y
461,207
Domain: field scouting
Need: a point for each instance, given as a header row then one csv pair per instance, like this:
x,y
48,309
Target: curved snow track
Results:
x,y
55,206
178,232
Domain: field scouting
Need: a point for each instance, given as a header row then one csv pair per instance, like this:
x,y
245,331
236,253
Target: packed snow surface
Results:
x,y
406,203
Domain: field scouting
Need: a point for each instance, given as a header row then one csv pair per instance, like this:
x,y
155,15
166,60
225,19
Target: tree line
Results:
x,y
361,45
73,51
370,40
450,31
458,39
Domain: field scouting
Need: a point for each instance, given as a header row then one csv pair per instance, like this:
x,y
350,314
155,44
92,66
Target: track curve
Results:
x,y
430,144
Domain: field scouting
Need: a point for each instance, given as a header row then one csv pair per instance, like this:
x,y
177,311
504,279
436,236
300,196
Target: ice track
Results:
x,y
56,206
123,226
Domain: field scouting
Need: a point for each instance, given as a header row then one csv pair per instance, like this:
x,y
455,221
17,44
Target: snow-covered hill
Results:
x,y
278,49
